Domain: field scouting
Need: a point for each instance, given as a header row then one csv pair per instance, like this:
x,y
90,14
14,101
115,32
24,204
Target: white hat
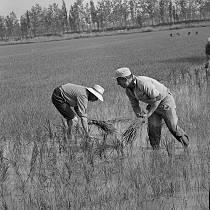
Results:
x,y
97,91
122,72
208,40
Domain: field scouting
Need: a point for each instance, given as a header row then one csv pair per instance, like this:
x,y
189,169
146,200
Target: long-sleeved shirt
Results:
x,y
147,90
76,96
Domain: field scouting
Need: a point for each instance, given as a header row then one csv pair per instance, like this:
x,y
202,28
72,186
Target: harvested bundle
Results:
x,y
129,135
107,127
119,120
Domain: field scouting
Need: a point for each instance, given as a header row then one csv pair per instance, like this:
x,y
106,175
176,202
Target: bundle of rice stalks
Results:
x,y
119,120
129,135
106,127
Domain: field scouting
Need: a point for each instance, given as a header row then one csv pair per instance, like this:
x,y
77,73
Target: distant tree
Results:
x,y
78,16
28,23
23,26
28,19
132,11
64,17
105,13
74,17
57,18
35,14
120,12
2,28
162,10
93,13
47,19
139,19
204,8
176,10
149,7
12,25
183,9
125,12
170,10
71,20
87,16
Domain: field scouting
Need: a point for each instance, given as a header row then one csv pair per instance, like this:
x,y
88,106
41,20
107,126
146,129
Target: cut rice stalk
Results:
x,y
107,127
130,134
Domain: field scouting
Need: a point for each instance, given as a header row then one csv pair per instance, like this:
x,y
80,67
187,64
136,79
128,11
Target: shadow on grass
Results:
x,y
192,60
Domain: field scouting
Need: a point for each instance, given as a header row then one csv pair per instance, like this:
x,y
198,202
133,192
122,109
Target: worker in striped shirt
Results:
x,y
160,105
71,100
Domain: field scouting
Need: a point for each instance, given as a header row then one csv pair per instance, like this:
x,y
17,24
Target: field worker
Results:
x,y
207,51
161,105
72,100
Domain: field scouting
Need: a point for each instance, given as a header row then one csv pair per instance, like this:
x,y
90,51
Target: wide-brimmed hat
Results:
x,y
97,91
122,72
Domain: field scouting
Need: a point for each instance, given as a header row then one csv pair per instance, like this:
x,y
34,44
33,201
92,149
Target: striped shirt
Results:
x,y
76,96
147,90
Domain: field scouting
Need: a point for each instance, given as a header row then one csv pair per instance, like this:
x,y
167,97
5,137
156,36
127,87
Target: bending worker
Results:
x,y
72,100
161,105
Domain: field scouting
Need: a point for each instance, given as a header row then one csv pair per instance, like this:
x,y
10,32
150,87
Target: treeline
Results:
x,y
103,15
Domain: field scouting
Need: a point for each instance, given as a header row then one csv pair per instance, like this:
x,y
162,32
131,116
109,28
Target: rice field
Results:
x,y
41,169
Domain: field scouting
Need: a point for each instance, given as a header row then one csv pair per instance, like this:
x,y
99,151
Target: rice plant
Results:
x,y
42,169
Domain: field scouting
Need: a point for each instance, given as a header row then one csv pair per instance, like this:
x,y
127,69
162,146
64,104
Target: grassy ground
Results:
x,y
39,170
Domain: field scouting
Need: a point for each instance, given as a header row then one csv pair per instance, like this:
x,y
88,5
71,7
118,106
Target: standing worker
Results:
x,y
207,51
72,100
161,105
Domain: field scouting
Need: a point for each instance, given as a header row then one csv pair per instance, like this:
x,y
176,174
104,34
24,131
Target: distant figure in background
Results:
x,y
207,51
196,33
161,105
188,33
171,35
72,100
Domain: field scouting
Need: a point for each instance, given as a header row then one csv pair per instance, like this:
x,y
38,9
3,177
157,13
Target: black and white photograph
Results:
x,y
104,104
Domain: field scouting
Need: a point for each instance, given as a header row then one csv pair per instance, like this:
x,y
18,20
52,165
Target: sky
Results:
x,y
20,6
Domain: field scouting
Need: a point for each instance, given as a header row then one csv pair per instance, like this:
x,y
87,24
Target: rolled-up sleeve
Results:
x,y
82,102
134,102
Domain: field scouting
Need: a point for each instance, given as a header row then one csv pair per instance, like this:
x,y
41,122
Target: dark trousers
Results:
x,y
61,105
166,112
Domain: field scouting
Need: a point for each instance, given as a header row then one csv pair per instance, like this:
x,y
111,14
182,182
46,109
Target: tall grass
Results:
x,y
40,168
41,175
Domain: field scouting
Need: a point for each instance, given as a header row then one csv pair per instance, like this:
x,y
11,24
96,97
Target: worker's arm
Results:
x,y
134,103
153,97
85,125
81,110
